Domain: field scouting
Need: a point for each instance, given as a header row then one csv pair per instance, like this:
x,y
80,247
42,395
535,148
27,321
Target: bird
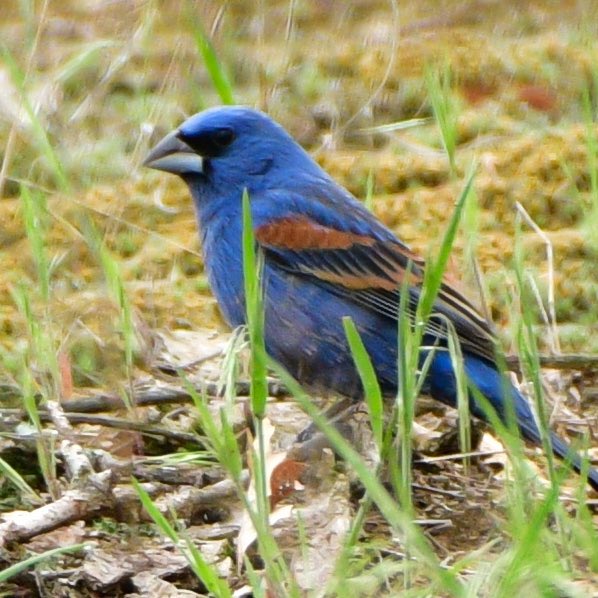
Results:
x,y
326,256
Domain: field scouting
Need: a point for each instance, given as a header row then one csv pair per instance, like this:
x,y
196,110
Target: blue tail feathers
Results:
x,y
495,388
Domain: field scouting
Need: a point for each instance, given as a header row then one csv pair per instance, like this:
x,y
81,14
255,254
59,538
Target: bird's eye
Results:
x,y
210,142
223,137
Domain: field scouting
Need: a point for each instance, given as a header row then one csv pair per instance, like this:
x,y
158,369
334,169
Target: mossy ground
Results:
x,y
104,75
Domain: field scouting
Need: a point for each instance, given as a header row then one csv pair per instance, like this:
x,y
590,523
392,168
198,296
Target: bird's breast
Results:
x,y
222,253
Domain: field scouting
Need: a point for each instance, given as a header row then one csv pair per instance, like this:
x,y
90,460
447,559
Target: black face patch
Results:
x,y
211,143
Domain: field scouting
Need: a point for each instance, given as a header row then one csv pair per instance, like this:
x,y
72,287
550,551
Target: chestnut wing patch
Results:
x,y
370,272
299,233
349,259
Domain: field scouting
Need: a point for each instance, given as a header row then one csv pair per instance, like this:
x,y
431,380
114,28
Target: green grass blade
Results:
x,y
219,77
18,482
84,58
528,350
34,210
39,133
456,355
252,268
221,438
116,285
372,392
435,271
408,356
208,575
444,106
25,564
255,313
400,521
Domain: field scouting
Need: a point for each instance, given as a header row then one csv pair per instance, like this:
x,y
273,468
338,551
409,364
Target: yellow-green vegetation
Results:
x,y
96,252
100,78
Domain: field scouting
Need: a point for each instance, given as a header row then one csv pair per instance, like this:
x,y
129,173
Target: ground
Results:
x,y
89,86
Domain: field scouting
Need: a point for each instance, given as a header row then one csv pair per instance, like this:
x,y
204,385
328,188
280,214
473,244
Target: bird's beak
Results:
x,y
175,156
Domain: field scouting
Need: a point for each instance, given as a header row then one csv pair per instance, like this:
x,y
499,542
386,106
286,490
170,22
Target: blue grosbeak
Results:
x,y
326,257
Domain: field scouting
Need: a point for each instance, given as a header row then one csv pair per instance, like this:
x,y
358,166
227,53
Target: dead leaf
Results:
x,y
284,480
63,536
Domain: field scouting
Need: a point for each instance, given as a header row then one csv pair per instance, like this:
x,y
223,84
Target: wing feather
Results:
x,y
370,272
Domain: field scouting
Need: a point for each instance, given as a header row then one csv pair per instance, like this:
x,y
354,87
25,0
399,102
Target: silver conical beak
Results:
x,y
175,156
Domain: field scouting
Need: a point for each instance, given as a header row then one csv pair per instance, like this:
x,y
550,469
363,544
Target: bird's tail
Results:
x,y
491,385
529,430
564,451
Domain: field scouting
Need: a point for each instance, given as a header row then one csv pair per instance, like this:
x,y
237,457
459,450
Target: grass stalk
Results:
x,y
203,570
34,560
445,109
216,71
441,576
372,392
116,287
38,130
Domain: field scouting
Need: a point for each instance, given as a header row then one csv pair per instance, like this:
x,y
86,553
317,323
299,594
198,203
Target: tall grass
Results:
x,y
40,137
216,71
445,109
412,373
116,288
371,387
590,122
202,569
442,579
37,559
33,302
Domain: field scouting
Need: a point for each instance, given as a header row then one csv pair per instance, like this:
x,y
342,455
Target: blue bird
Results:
x,y
325,257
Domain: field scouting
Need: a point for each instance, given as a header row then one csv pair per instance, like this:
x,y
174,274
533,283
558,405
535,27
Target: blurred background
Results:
x,y
89,85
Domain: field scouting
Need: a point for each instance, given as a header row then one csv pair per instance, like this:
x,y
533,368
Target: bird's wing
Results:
x,y
369,270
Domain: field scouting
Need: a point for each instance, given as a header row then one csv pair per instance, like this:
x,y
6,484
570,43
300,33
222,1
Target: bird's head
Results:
x,y
231,145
